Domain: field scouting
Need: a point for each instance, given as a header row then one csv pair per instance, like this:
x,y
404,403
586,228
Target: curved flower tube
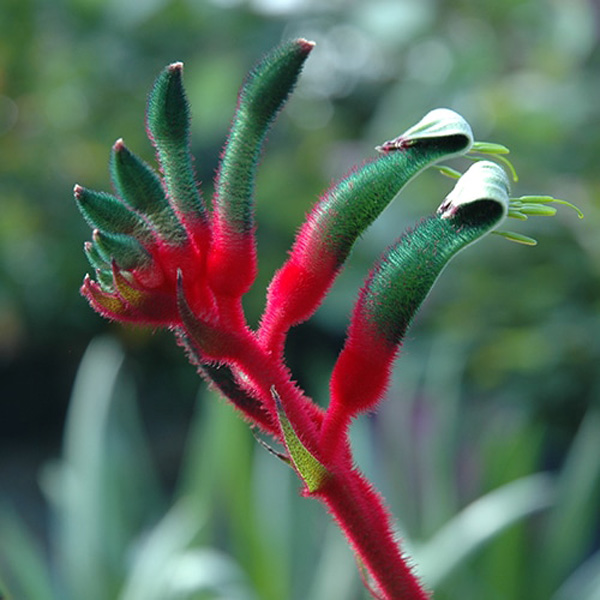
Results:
x,y
163,258
396,288
345,211
261,98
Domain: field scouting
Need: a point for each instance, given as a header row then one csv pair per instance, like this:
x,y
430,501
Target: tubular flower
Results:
x,y
345,211
397,286
152,228
162,258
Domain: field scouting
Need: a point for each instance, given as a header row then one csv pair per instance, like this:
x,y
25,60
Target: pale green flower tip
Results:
x,y
485,180
436,124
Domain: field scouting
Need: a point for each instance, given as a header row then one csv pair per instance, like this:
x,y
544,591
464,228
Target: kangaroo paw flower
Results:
x,y
261,98
161,257
346,210
397,286
168,126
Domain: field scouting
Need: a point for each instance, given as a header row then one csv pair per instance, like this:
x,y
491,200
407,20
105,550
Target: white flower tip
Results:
x,y
438,123
485,180
307,44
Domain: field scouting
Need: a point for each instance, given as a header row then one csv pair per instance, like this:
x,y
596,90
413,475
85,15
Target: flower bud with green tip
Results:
x,y
168,127
149,232
344,212
124,250
107,213
142,189
397,286
261,98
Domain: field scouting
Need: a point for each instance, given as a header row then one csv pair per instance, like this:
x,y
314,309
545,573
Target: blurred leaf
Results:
x,y
335,559
584,583
165,567
572,520
217,476
479,523
24,572
104,489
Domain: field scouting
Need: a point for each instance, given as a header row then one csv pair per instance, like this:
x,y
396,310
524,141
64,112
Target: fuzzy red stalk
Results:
x,y
163,258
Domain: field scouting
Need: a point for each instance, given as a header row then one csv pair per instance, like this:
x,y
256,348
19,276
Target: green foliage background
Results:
x,y
498,382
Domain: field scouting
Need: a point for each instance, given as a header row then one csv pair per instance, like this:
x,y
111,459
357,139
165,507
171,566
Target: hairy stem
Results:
x,y
366,522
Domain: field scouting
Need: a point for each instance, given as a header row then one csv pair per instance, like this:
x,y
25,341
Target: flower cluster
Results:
x,y
162,258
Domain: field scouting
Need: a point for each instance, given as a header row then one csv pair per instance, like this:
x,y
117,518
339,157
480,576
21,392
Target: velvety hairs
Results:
x,y
162,258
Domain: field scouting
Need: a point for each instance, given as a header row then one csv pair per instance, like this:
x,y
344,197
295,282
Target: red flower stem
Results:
x,y
231,312
267,373
357,508
359,511
242,350
366,522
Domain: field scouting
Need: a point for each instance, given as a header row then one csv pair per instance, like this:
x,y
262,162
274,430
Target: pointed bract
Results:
x,y
108,214
309,468
124,249
141,188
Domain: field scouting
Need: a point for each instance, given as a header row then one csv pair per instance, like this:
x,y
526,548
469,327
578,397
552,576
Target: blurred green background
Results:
x,y
488,448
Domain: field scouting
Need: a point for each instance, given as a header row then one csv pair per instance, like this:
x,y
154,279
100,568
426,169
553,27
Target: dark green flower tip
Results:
x,y
269,84
141,188
135,181
125,250
168,115
262,95
106,212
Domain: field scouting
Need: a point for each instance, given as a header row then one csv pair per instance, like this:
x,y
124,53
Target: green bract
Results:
x,y
313,473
